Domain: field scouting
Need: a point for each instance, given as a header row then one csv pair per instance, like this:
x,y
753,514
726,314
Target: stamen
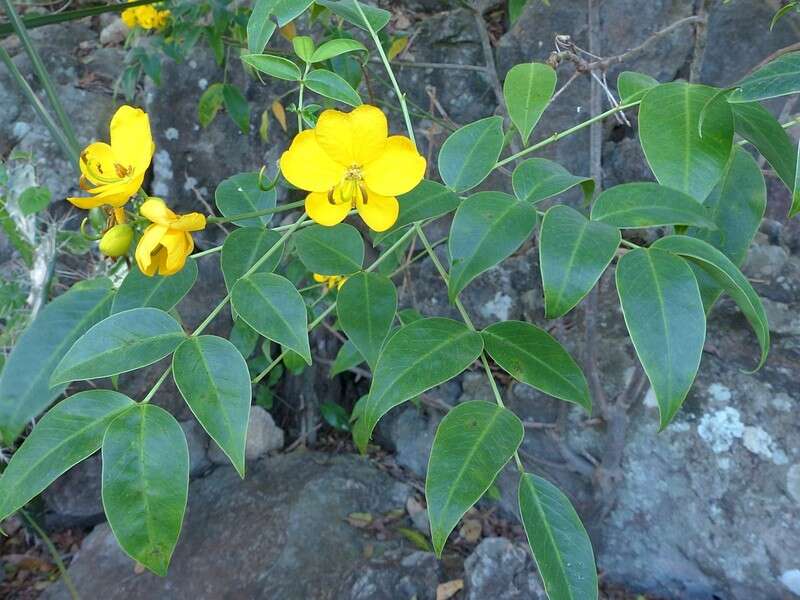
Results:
x,y
364,194
330,197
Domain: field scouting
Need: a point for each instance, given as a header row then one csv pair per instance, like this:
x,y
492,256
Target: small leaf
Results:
x,y
243,248
120,343
274,66
664,314
396,48
795,207
632,86
646,204
335,48
515,9
531,355
140,291
488,228
237,106
210,102
212,377
558,541
288,10
376,17
271,305
303,47
537,179
779,77
259,26
330,85
421,355
244,338
470,153
527,90
781,12
347,358
241,194
473,443
34,199
146,483
337,250
335,416
428,200
366,306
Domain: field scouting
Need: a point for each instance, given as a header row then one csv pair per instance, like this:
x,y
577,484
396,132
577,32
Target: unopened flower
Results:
x,y
166,243
348,161
330,281
114,172
116,241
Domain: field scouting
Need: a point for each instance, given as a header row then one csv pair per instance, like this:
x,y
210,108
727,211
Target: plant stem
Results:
x,y
62,568
401,97
257,213
300,98
208,251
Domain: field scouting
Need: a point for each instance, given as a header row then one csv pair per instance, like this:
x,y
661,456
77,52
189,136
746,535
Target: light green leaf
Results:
x,y
212,377
120,343
537,179
795,207
347,358
558,541
303,47
428,200
779,77
68,433
473,443
259,26
527,89
664,313
241,193
488,228
337,250
25,388
421,355
329,84
271,305
470,153
243,248
533,356
573,253
274,66
288,10
146,483
34,199
646,204
632,86
376,17
366,306
209,104
669,131
335,48
757,125
162,292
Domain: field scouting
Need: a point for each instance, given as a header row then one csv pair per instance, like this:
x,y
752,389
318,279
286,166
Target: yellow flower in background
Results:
x,y
162,18
146,17
128,17
331,281
166,243
348,161
114,172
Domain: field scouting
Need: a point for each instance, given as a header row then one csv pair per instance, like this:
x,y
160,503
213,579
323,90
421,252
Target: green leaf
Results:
x,y
728,276
428,200
259,26
573,253
795,206
527,89
470,153
146,483
488,228
515,9
669,131
366,305
347,358
632,86
647,204
779,77
237,107
335,48
781,12
274,66
288,10
473,443
757,125
210,102
408,315
337,250
140,291
241,194
271,305
376,17
537,179
120,343
558,541
303,47
666,321
421,355
34,199
244,338
533,356
335,416
329,84
25,389
243,248
68,433
212,377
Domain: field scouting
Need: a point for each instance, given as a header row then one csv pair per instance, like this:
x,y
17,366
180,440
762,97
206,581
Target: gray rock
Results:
x,y
782,318
501,570
198,441
395,576
74,498
263,436
765,261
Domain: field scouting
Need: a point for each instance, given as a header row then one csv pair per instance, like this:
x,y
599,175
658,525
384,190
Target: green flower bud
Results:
x,y
116,241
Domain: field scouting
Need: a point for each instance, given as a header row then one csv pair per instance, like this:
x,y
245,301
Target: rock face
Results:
x,y
501,570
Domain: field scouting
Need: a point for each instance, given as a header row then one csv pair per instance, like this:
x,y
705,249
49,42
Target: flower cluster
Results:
x,y
330,281
146,17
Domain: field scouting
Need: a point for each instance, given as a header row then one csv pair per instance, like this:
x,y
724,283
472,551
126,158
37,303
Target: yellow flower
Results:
x,y
162,18
116,241
348,161
128,17
331,281
146,16
114,173
166,243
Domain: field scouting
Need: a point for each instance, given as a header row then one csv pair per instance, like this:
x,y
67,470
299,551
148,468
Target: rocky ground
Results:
x,y
706,509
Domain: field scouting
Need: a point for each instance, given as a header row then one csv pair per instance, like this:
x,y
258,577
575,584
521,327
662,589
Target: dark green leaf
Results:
x,y
337,250
34,199
779,77
259,26
241,194
237,107
376,17
527,89
329,84
347,358
209,104
757,125
536,179
288,10
366,306
158,291
633,86
335,416
243,248
244,337
428,200
274,66
470,153
515,9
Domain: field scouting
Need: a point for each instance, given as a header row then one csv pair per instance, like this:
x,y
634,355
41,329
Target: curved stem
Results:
x,y
257,213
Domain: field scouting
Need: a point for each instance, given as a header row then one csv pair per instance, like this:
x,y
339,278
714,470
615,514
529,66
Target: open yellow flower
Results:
x,y
114,172
330,281
166,243
348,161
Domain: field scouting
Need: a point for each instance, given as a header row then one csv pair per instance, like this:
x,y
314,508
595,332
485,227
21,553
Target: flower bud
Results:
x,y
97,219
116,241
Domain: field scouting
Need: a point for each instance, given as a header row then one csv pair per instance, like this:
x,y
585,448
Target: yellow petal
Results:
x,y
190,222
397,170
97,164
149,242
323,212
179,245
113,194
306,165
131,139
354,138
319,278
380,212
156,210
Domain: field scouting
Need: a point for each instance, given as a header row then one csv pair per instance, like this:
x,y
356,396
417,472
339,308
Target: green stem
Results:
x,y
43,75
62,568
401,97
300,98
257,213
208,251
